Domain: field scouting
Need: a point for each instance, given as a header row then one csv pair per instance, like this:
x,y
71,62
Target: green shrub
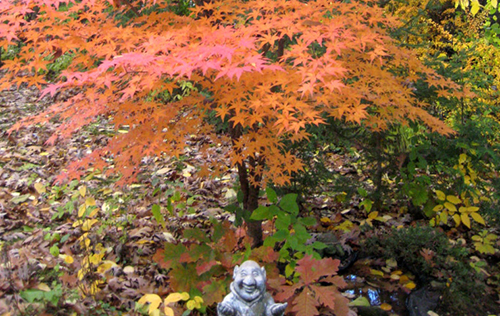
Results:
x,y
448,265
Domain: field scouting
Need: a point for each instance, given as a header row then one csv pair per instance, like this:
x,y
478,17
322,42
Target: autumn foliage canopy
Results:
x,y
269,68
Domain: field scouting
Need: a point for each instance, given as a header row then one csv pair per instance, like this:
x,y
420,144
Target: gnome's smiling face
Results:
x,y
249,281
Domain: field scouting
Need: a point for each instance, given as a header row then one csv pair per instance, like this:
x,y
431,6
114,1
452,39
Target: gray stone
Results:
x,y
248,295
421,301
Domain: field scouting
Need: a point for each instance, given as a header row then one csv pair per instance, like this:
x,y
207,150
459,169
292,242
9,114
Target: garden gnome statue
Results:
x,y
248,295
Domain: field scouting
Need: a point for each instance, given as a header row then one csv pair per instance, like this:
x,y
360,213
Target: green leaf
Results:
x,y
307,221
271,195
273,211
281,235
283,221
260,213
293,242
319,245
360,301
239,196
288,203
419,195
362,192
367,204
176,197
156,210
289,270
32,295
20,199
301,233
196,234
240,215
218,232
170,207
54,250
270,241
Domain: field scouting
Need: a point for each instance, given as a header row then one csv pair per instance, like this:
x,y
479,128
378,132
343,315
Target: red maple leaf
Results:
x,y
305,303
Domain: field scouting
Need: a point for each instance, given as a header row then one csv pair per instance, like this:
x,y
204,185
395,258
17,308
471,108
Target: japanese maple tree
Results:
x,y
269,67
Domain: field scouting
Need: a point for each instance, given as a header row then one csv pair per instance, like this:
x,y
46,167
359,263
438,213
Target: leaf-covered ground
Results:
x,y
91,248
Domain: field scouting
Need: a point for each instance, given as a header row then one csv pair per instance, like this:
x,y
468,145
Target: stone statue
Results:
x,y
248,295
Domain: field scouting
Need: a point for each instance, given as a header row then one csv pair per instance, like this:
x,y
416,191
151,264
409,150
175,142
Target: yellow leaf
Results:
x,y
410,285
472,209
82,190
81,210
43,287
377,272
391,262
490,237
465,219
155,312
94,287
450,207
454,199
403,279
373,215
462,158
87,225
438,208
444,217
467,180
325,220
478,218
105,266
456,218
432,222
477,238
168,311
395,277
94,212
67,258
80,274
474,7
386,307
154,301
198,299
175,297
191,304
40,188
494,3
441,196
90,201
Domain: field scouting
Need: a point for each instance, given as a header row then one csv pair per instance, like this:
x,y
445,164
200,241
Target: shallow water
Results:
x,y
357,286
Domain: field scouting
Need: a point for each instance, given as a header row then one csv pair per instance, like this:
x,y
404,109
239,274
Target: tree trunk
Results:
x,y
250,192
250,203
